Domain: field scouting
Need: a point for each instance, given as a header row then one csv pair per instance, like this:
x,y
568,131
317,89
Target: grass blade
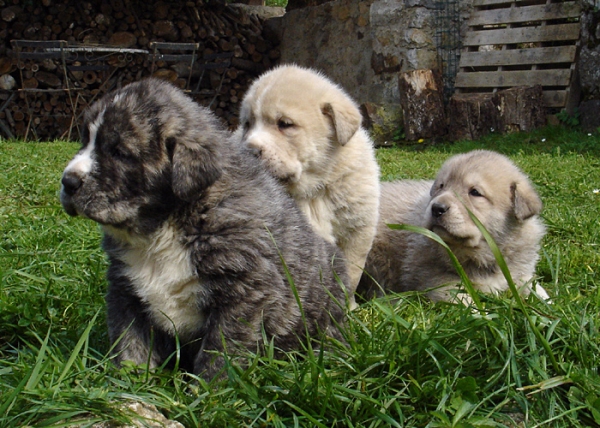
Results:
x,y
82,340
461,272
35,378
516,295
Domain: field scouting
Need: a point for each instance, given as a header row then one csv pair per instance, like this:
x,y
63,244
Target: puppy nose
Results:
x,y
71,182
438,210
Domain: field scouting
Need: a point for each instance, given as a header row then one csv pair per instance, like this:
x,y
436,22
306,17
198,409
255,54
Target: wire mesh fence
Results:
x,y
448,43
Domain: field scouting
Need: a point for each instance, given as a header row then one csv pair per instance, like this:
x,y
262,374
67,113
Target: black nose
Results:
x,y
71,182
438,210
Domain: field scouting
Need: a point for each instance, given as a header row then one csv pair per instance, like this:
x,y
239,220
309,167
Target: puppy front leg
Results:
x,y
129,329
223,333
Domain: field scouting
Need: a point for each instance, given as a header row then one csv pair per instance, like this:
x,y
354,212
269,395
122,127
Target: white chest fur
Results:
x,y
320,214
162,274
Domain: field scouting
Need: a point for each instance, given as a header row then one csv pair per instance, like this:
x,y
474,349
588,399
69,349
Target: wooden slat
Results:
x,y
525,14
534,17
552,55
504,36
555,98
505,79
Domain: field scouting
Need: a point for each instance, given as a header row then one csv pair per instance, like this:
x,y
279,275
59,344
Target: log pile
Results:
x,y
216,27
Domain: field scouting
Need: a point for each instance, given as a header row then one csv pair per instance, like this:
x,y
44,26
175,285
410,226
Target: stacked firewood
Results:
x,y
226,34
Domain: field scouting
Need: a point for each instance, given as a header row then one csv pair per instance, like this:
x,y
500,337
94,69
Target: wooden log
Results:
x,y
30,83
166,30
48,80
6,65
11,13
471,116
7,82
246,65
123,38
90,77
421,98
166,74
520,109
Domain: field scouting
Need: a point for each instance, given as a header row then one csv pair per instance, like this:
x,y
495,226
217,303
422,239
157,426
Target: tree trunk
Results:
x,y
472,116
422,102
521,109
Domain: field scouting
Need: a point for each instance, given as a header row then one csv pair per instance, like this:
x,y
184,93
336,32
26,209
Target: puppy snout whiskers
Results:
x,y
71,182
438,210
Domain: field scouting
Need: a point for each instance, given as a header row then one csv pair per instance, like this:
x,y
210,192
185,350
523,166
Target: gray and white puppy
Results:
x,y
195,230
490,186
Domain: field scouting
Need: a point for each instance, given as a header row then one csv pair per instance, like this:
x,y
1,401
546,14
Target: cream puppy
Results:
x,y
308,133
490,186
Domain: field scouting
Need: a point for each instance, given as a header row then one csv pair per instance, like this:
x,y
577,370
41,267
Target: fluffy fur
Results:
x,y
308,132
195,229
491,187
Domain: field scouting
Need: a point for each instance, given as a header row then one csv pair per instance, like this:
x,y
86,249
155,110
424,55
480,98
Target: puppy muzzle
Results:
x,y
71,182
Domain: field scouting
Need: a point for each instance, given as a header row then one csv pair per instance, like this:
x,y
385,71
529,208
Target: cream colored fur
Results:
x,y
307,131
491,187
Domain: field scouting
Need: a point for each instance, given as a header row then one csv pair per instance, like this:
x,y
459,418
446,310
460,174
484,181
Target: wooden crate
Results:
x,y
522,43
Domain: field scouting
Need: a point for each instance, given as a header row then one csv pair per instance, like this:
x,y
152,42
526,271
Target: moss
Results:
x,y
386,124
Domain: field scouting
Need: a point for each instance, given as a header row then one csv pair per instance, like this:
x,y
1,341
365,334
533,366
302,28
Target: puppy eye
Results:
x,y
475,192
284,124
246,125
120,153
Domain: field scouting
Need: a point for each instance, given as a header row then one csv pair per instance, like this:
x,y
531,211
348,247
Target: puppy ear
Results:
x,y
345,117
195,167
526,201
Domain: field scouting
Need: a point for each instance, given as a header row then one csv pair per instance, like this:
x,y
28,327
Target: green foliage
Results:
x,y
408,362
569,120
398,135
279,3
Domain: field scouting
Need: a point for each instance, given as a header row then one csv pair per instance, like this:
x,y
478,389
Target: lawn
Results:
x,y
412,363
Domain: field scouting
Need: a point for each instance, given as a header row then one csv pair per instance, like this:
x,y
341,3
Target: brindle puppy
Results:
x,y
195,230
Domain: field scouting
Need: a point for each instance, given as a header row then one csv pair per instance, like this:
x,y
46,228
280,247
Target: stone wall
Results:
x,y
589,55
365,45
402,40
335,38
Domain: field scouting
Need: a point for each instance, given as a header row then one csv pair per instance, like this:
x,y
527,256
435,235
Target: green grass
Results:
x,y
413,363
276,3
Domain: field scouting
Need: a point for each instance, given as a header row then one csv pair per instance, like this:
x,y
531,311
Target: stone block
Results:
x,y
383,121
589,116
